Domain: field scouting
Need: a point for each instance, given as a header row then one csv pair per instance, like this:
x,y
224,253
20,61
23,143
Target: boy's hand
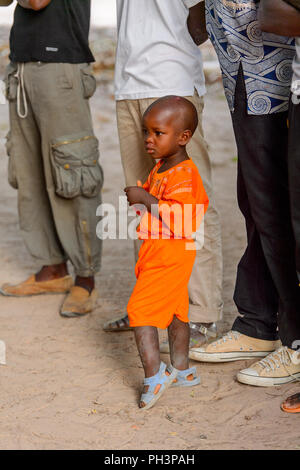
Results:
x,y
135,195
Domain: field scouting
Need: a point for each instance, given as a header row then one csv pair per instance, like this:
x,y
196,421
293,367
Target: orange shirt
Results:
x,y
182,202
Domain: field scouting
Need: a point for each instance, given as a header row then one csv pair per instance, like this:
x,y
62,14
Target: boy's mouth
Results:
x,y
150,149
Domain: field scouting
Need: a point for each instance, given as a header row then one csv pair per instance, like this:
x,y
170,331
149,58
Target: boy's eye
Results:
x,y
158,133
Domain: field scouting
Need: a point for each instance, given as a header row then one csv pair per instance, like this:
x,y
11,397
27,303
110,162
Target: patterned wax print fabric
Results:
x,y
266,58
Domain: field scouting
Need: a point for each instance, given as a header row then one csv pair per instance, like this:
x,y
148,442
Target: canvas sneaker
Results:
x,y
279,367
233,346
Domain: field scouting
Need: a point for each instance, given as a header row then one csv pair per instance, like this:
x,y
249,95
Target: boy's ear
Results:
x,y
185,137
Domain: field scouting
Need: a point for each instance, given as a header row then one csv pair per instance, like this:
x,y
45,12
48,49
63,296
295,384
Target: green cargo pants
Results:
x,y
53,162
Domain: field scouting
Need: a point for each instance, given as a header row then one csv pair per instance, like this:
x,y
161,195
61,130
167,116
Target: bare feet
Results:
x,y
88,283
48,273
292,404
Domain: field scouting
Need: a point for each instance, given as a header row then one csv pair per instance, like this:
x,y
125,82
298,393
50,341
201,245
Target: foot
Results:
x,y
280,367
119,324
186,378
291,404
233,346
200,333
79,302
54,271
87,283
156,385
31,287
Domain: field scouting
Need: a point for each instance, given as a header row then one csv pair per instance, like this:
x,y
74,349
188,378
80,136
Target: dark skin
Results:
x,y
165,137
292,404
278,17
196,23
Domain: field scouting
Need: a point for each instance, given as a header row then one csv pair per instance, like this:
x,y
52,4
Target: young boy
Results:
x,y
174,195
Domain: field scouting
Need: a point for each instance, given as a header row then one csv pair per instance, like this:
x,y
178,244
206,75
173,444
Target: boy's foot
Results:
x,y
199,335
280,367
31,287
291,404
156,385
119,324
233,346
78,302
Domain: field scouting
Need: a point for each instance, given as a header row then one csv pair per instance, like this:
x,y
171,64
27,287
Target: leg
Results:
x,y
157,377
294,176
27,175
147,342
262,145
205,286
179,340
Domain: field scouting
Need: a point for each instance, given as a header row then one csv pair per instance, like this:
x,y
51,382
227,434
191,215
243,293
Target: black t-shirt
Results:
x,y
58,33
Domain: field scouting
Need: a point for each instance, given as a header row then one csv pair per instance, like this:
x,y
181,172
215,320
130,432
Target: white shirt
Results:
x,y
156,55
296,69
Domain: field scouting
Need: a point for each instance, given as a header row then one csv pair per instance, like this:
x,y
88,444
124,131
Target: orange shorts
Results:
x,y
163,271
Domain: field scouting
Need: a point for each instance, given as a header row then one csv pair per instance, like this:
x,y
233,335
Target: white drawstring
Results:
x,y
21,92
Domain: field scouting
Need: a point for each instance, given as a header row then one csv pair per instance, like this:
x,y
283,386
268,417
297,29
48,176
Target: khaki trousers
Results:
x,y
205,286
53,162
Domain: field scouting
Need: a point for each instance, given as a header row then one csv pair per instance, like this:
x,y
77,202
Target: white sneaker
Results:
x,y
233,346
280,367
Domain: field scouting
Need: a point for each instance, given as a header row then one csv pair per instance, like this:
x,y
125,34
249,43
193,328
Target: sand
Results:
x,y
69,385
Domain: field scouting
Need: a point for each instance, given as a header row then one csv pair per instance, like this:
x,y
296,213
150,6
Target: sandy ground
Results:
x,y
69,385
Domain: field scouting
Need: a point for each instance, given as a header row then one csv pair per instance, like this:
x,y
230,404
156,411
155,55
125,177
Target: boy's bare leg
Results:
x,y
147,342
179,340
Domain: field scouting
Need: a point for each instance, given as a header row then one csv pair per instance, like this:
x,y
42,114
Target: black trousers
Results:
x,y
294,172
267,294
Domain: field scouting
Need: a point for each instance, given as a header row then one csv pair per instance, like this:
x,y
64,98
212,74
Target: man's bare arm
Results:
x,y
196,23
34,4
5,3
279,17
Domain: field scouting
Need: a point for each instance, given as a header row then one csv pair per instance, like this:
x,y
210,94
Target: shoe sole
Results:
x,y
225,357
6,294
72,314
266,381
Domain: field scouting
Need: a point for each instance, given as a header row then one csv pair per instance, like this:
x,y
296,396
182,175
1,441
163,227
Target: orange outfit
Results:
x,y
167,255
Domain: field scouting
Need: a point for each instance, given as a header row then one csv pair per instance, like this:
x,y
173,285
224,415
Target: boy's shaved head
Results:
x,y
180,109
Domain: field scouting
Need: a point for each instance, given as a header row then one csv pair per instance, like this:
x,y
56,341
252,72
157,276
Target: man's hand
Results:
x,y
5,3
197,24
279,17
34,4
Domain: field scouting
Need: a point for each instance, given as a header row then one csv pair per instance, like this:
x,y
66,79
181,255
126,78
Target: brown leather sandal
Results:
x,y
119,324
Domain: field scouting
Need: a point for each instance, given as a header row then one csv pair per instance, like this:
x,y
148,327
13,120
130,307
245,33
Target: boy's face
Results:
x,y
162,136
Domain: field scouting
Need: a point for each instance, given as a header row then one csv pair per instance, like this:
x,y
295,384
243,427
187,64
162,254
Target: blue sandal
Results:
x,y
157,384
186,378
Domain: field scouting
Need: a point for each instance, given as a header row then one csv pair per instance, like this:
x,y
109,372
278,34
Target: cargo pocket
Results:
x,y
89,83
12,176
11,82
75,166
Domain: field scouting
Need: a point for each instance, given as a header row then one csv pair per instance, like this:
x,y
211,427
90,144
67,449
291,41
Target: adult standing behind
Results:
x,y
53,152
283,17
257,72
156,56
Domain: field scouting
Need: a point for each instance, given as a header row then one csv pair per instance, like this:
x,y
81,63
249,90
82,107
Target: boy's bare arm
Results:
x,y
279,17
34,4
197,24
